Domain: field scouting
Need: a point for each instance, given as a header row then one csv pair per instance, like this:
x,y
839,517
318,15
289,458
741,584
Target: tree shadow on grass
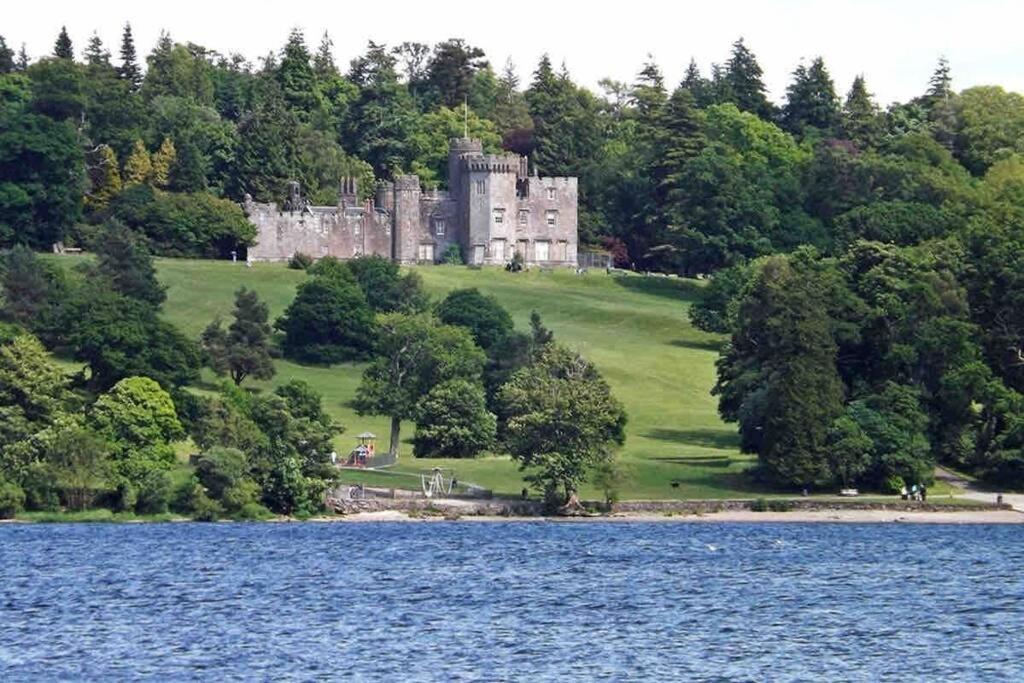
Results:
x,y
672,288
699,344
706,438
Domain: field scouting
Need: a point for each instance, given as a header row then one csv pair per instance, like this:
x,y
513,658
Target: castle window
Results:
x,y
439,227
357,230
540,250
499,216
524,217
481,187
551,193
552,218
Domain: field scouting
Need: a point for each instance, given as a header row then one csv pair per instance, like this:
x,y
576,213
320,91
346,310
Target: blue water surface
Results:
x,y
518,601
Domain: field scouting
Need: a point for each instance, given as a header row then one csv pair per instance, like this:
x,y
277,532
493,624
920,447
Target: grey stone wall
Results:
x,y
492,210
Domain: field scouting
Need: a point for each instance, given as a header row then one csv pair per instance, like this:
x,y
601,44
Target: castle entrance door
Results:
x,y
478,254
426,253
498,250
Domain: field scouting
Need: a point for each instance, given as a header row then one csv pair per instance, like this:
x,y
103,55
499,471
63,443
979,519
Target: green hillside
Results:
x,y
634,328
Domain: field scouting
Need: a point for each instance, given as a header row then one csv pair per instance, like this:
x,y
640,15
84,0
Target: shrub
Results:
x,y
300,261
453,256
221,469
40,488
516,264
204,508
893,484
12,499
154,493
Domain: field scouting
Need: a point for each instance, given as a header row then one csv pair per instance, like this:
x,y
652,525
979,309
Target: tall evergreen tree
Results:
x,y
680,140
123,257
6,57
648,95
860,116
940,85
451,70
744,77
95,54
698,86
296,77
129,69
22,63
138,167
244,350
63,49
104,177
811,99
323,61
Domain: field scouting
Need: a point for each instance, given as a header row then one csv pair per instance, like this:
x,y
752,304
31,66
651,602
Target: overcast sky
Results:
x,y
895,43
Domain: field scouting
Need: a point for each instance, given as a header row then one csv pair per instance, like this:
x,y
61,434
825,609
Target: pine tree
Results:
x,y
129,69
811,99
860,117
649,95
939,103
122,255
188,173
698,86
95,54
296,76
244,351
22,64
323,61
6,57
744,76
940,85
138,168
681,139
162,161
105,179
62,48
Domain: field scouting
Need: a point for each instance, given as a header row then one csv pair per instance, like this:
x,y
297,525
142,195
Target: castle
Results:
x,y
492,210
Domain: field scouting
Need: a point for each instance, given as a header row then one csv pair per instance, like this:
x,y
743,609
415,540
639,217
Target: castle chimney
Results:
x,y
348,192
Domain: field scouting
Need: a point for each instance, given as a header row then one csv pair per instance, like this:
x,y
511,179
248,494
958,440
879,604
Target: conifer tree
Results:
x,y
860,116
648,93
188,172
63,48
129,69
811,99
940,85
138,168
162,161
681,139
244,350
296,77
744,76
105,177
6,57
122,255
95,54
698,86
22,63
323,61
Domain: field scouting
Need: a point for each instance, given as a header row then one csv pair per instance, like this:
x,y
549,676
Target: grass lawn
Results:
x,y
634,328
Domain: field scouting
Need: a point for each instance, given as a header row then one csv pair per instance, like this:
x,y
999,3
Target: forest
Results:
x,y
864,262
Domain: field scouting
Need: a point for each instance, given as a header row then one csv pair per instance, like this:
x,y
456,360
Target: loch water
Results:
x,y
523,601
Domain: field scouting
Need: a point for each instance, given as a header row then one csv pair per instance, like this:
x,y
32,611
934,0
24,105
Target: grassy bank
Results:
x,y
634,328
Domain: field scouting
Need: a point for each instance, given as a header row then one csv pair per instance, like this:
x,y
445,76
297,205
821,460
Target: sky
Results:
x,y
895,44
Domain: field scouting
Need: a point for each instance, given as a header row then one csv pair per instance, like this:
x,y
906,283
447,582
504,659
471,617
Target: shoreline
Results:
x,y
853,516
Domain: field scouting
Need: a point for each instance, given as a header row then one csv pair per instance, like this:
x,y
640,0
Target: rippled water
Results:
x,y
517,601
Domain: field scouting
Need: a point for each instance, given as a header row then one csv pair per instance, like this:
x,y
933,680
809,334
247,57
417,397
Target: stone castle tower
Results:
x,y
492,210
